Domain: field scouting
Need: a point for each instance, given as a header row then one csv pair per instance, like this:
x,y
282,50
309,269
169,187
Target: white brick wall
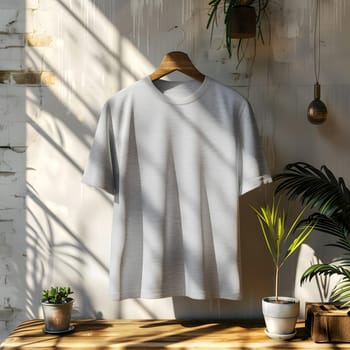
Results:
x,y
12,163
12,59
11,40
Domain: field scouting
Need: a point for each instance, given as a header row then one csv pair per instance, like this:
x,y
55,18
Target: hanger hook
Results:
x,y
183,34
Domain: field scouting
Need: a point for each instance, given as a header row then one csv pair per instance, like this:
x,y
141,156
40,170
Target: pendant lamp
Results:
x,y
317,111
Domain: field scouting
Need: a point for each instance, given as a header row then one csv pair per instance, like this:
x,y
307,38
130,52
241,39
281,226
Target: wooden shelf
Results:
x,y
157,334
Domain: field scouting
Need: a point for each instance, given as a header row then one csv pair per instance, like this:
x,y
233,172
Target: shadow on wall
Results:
x,y
66,231
57,251
61,125
51,254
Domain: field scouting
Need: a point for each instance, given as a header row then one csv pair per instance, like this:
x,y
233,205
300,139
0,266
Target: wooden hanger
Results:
x,y
177,61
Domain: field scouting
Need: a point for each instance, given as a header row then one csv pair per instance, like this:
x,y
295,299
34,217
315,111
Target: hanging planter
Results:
x,y
242,19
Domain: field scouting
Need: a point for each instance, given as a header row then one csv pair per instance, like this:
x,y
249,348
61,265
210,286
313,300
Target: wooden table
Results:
x,y
156,334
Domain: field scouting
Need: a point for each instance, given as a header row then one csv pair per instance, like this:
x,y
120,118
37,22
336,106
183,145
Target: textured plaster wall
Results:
x,y
60,60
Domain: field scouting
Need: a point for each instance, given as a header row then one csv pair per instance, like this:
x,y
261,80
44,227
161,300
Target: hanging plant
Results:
x,y
242,20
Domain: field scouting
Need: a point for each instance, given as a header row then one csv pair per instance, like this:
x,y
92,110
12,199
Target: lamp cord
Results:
x,y
317,50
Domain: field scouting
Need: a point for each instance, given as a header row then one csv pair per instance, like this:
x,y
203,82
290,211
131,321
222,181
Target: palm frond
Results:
x,y
315,187
326,224
323,269
332,227
341,293
343,261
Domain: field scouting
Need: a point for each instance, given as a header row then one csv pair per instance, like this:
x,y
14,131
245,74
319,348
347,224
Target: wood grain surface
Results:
x,y
157,334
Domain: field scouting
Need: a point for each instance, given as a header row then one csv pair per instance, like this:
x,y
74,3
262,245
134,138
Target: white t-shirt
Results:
x,y
176,156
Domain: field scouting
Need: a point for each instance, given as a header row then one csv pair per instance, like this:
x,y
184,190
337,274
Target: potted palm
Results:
x,y
242,19
321,189
57,307
282,237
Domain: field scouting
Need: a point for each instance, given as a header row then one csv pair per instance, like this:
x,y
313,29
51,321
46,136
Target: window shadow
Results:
x,y
66,237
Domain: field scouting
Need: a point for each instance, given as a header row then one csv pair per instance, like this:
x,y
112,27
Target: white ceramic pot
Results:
x,y
280,317
57,317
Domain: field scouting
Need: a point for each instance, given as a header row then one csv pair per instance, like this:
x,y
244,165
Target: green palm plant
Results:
x,y
320,189
281,239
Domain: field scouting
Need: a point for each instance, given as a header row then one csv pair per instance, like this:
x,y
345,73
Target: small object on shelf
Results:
x,y
327,322
57,308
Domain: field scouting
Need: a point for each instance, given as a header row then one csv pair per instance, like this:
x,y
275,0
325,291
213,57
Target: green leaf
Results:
x,y
56,295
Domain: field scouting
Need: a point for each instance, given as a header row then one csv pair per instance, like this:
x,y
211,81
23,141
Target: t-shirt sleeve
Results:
x,y
253,166
102,168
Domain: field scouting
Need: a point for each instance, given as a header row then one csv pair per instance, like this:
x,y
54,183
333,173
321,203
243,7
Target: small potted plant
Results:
x,y
321,189
57,308
282,239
